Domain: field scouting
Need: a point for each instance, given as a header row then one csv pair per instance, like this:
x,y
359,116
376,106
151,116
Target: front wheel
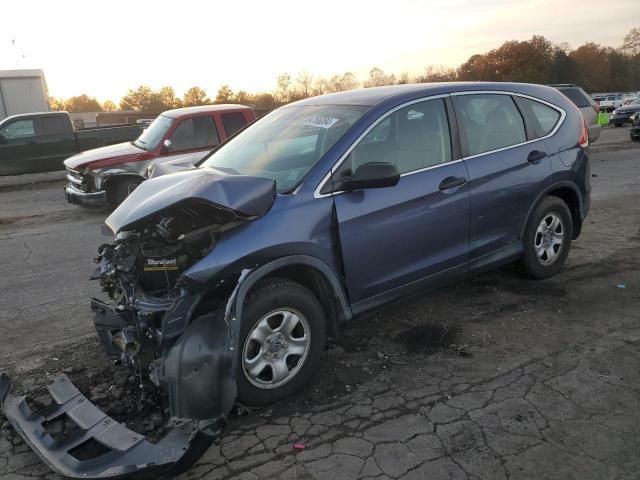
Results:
x,y
547,239
282,338
119,188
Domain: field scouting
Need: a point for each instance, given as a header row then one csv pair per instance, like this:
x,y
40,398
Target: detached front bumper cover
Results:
x,y
124,453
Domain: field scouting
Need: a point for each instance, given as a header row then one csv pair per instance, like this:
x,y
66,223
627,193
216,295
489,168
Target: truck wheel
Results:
x,y
119,189
547,239
282,338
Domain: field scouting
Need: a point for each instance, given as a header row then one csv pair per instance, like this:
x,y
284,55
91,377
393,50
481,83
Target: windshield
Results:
x,y
153,133
636,101
287,143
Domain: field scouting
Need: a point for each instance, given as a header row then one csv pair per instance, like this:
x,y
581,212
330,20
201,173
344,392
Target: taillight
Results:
x,y
584,136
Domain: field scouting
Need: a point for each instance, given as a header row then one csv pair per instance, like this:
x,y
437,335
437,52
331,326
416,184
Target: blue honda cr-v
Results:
x,y
226,279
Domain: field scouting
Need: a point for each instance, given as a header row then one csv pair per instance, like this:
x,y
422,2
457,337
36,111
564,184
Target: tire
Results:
x,y
273,302
617,124
119,188
542,256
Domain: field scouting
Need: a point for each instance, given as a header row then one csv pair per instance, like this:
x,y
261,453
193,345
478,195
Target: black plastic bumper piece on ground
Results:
x,y
124,452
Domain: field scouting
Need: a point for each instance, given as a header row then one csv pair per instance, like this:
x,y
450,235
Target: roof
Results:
x,y
32,73
374,95
33,114
179,112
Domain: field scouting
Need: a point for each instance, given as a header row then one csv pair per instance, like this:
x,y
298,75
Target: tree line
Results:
x,y
594,67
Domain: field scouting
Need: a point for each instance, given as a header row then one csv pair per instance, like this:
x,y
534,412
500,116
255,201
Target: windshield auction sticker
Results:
x,y
319,121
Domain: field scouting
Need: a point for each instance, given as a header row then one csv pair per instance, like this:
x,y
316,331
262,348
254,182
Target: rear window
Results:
x,y
577,96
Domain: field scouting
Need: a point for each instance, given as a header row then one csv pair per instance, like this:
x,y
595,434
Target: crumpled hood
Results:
x,y
110,151
247,196
175,164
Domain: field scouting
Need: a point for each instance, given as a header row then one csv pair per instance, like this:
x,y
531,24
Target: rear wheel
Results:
x,y
282,339
547,239
119,188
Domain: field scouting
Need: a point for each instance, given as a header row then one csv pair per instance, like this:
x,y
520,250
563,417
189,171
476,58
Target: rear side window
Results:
x,y
53,125
197,132
233,122
542,118
490,122
577,96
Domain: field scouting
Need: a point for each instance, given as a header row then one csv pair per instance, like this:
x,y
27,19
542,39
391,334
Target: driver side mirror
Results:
x,y
372,175
3,139
166,146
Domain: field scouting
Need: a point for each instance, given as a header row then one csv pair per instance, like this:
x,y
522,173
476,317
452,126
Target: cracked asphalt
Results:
x,y
495,377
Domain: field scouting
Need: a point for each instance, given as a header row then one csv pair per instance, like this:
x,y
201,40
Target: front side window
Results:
x,y
285,144
18,129
196,132
412,138
489,122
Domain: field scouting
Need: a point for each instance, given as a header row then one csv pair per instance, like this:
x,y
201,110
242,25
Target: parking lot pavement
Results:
x,y
494,377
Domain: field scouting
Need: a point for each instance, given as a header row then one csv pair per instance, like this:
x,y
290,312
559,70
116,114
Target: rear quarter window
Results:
x,y
542,118
577,96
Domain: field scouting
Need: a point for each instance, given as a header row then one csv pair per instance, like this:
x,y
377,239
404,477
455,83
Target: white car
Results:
x,y
610,103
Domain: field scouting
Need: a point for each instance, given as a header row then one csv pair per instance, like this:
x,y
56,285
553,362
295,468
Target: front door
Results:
x,y
18,147
395,236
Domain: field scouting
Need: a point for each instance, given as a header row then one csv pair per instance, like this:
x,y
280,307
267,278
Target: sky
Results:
x,y
104,48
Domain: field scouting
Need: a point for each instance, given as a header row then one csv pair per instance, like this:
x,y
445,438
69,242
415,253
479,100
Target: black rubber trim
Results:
x,y
129,453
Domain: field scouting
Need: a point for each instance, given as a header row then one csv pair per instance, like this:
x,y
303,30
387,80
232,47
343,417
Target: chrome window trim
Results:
x,y
316,192
563,115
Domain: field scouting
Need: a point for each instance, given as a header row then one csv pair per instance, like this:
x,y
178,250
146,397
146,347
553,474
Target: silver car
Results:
x,y
587,106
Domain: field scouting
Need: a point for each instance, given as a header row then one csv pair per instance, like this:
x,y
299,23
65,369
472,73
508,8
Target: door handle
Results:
x,y
451,182
535,156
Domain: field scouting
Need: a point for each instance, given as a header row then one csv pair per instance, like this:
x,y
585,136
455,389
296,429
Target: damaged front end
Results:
x,y
179,334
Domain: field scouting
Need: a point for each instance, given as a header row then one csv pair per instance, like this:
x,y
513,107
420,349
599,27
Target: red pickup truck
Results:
x,y
107,175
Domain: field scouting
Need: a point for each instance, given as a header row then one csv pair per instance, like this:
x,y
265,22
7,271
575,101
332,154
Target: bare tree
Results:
x,y
378,78
283,84
305,81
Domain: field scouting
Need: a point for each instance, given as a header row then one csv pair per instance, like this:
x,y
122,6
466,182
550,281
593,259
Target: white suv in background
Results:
x,y
610,103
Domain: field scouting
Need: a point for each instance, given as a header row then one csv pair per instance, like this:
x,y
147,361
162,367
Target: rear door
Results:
x,y
391,237
56,141
508,168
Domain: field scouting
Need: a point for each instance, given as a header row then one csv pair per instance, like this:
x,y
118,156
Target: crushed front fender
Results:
x,y
210,347
121,453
